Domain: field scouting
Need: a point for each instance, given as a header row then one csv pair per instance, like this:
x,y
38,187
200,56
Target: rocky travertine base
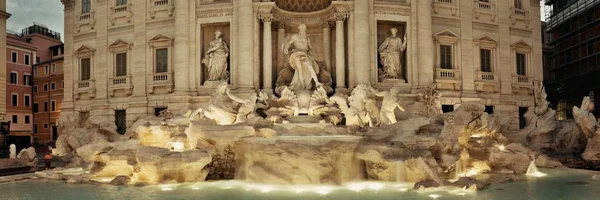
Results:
x,y
299,160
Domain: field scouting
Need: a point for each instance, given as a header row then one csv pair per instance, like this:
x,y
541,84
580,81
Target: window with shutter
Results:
x,y
162,58
85,69
121,64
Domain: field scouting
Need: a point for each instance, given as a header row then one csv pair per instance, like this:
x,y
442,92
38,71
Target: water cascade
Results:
x,y
533,171
400,177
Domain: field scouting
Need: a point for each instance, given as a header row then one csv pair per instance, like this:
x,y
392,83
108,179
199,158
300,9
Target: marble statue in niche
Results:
x,y
390,54
297,46
215,58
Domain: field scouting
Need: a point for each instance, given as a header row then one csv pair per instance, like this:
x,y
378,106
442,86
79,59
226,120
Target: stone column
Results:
x,y
3,17
425,44
327,44
181,49
362,55
267,52
280,40
244,40
340,58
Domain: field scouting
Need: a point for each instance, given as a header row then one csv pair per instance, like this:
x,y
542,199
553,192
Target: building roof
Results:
x,y
61,57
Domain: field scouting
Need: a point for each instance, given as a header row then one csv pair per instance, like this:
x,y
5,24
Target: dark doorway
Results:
x,y
522,122
121,121
489,109
447,108
54,133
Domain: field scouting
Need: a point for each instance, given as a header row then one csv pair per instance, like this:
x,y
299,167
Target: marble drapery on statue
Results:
x,y
390,54
297,46
216,58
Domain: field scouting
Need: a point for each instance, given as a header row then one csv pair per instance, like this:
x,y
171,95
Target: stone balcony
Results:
x,y
448,79
158,7
120,12
441,7
162,80
85,19
517,15
487,82
87,87
484,9
120,83
522,84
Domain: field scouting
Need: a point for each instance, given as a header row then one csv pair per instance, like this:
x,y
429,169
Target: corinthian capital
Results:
x,y
339,16
266,17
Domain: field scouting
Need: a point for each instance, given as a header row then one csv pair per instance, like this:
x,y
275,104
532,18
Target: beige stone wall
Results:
x,y
3,17
145,25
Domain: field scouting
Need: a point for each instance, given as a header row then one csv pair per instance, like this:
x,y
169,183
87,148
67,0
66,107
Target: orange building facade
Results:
x,y
48,95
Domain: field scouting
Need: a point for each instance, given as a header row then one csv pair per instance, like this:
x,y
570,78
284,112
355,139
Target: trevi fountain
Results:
x,y
311,137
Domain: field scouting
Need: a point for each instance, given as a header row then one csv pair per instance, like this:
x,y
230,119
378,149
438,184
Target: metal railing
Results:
x,y
571,11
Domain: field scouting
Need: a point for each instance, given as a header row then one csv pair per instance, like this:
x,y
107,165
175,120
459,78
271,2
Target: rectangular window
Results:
x,y
447,108
13,77
27,100
52,86
37,59
45,87
27,59
86,6
53,69
35,71
158,110
14,57
46,69
45,126
121,121
26,119
519,4
14,100
486,60
521,64
445,56
45,106
162,58
15,119
85,69
121,64
35,89
27,80
52,105
35,108
121,2
35,128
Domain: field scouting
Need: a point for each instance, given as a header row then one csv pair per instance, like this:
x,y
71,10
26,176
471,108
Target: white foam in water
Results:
x,y
533,171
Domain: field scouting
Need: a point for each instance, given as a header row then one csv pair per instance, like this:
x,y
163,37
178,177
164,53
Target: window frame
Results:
x,y
26,59
27,119
486,43
53,106
27,100
16,82
14,57
52,86
45,87
14,99
489,66
161,41
14,119
81,71
83,6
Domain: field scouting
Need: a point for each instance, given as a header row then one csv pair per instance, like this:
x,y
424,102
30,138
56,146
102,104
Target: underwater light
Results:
x,y
323,190
435,196
166,189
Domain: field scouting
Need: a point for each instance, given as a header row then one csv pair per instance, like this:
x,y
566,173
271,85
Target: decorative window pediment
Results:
x,y
486,42
446,36
521,46
160,40
84,51
120,45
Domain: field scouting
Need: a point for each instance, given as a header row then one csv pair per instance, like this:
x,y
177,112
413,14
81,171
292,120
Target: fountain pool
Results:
x,y
559,184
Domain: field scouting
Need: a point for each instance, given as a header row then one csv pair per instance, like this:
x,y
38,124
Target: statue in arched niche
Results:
x,y
301,72
390,54
215,58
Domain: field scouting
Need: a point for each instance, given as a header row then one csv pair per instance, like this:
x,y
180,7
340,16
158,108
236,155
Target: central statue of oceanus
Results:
x,y
301,72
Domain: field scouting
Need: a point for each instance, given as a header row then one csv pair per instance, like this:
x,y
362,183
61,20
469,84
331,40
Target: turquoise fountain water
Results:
x,y
558,184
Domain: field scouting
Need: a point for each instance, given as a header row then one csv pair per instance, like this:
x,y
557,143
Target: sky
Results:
x,y
49,13
25,12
